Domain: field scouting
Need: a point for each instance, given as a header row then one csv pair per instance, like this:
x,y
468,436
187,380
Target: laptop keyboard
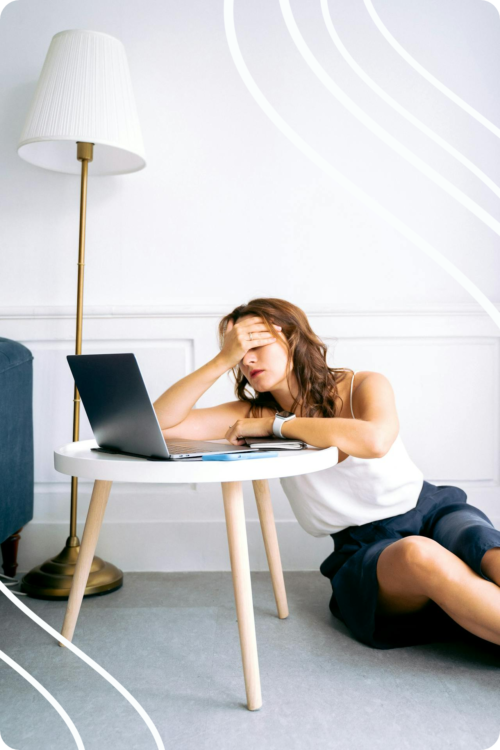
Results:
x,y
196,446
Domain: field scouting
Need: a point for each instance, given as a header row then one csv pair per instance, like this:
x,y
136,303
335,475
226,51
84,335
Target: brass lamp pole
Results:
x,y
53,579
85,96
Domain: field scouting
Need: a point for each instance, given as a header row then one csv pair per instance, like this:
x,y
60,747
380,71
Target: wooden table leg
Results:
x,y
268,527
90,536
232,494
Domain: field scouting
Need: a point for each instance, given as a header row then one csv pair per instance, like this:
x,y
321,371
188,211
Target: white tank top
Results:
x,y
355,491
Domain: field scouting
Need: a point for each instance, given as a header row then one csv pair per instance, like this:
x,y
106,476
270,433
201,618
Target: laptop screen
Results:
x,y
117,403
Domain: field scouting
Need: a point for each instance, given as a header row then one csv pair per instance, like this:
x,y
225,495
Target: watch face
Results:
x,y
285,414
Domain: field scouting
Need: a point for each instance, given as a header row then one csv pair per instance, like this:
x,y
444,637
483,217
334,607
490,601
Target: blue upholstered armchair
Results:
x,y
16,447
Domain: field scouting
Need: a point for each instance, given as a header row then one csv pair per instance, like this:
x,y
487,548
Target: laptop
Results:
x,y
122,416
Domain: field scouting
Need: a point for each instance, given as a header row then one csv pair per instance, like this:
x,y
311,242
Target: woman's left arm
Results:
x,y
370,435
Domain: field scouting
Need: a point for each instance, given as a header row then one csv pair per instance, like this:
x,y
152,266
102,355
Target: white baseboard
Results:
x,y
175,546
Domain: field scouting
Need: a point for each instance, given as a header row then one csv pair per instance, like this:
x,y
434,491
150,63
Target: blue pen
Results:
x,y
237,456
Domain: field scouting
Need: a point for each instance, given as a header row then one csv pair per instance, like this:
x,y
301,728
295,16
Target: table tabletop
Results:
x,y
78,460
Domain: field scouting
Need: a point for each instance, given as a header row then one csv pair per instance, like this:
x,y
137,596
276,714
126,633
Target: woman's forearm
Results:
x,y
356,437
174,405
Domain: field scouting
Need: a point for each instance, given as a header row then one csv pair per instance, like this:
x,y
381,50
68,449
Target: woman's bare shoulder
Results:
x,y
369,377
354,377
374,401
362,375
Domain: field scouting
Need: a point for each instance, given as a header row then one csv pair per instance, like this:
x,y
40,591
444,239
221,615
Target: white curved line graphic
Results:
x,y
82,655
379,131
425,73
399,108
3,746
351,187
50,698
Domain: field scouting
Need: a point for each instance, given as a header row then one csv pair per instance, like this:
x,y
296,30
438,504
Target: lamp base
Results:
x,y
53,579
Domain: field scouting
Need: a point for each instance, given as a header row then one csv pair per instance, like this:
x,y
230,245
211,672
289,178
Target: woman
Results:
x,y
412,562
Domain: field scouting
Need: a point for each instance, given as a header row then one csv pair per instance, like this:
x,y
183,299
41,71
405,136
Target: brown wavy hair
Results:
x,y
317,381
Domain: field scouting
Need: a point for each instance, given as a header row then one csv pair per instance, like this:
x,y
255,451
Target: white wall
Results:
x,y
227,209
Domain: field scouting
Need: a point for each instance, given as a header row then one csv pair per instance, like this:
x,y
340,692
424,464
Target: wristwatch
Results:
x,y
281,416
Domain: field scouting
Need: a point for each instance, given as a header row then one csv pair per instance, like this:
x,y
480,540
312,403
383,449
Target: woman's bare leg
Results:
x,y
490,564
415,569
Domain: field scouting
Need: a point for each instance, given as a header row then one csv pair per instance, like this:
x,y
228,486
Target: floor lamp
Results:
x,y
83,111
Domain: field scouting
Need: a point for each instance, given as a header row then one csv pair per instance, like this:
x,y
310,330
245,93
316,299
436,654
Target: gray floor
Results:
x,y
172,640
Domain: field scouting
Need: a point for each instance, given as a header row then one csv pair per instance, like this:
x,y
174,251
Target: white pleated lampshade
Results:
x,y
84,93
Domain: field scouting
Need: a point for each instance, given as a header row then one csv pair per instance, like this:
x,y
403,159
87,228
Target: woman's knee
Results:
x,y
433,566
402,572
420,552
418,559
413,570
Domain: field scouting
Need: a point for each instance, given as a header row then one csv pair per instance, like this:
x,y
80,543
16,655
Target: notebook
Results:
x,y
275,443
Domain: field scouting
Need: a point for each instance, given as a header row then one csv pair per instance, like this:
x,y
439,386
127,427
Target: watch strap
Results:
x,y
277,424
278,421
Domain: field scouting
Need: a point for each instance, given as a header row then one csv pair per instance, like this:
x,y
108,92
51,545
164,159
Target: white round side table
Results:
x,y
77,460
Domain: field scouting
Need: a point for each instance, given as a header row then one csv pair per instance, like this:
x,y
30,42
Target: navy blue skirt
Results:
x,y
443,514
